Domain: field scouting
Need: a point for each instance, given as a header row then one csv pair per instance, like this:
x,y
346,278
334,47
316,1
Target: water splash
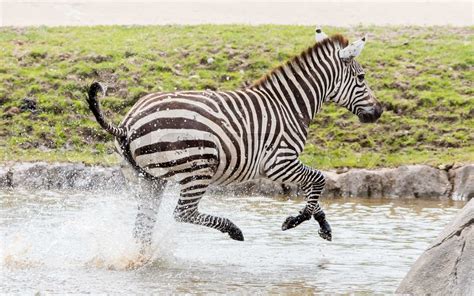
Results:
x,y
95,233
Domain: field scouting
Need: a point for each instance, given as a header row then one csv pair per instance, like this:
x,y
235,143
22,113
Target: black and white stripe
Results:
x,y
199,138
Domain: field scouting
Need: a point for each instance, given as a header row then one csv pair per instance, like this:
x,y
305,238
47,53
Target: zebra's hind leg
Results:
x,y
148,196
193,188
324,227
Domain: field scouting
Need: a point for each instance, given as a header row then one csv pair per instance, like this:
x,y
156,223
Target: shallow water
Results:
x,y
73,242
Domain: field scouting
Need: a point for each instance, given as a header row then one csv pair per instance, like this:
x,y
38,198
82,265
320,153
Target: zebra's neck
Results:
x,y
303,83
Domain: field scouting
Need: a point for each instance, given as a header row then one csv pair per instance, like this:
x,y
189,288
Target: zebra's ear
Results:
x,y
353,50
320,35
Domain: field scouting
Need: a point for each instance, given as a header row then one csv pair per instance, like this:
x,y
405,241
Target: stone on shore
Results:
x,y
362,183
447,267
416,181
41,175
463,182
5,177
410,181
413,181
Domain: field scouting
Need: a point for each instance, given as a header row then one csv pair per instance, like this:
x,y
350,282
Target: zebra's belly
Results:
x,y
176,155
239,168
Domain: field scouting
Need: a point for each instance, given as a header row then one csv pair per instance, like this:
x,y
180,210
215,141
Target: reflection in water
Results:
x,y
81,242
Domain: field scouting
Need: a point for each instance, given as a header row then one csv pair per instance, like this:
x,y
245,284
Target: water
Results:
x,y
73,242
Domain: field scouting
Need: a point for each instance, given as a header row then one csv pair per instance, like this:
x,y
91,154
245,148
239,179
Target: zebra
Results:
x,y
203,138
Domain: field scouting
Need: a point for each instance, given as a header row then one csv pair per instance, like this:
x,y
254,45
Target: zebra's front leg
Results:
x,y
312,182
187,210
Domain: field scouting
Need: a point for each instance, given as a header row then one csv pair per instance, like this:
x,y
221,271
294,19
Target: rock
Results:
x,y
342,170
463,182
5,177
362,183
446,167
11,111
416,181
258,187
28,104
63,176
446,268
29,175
41,175
332,189
269,188
101,178
97,58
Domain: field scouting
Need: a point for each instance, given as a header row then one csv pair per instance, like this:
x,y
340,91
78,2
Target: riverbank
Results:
x,y
410,182
422,75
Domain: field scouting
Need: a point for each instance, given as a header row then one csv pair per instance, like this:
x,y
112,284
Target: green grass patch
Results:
x,y
422,75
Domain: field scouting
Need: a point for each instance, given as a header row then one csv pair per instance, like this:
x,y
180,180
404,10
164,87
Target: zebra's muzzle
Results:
x,y
371,114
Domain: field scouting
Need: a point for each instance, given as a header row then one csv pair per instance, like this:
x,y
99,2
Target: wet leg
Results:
x,y
148,196
312,182
193,189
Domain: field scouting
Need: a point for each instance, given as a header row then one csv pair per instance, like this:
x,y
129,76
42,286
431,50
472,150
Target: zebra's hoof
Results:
x,y
289,223
236,234
325,230
327,235
292,222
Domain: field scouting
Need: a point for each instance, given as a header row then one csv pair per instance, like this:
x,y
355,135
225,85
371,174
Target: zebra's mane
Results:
x,y
334,39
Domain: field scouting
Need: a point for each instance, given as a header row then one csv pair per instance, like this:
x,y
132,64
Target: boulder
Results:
x,y
102,178
463,182
446,268
269,188
5,177
332,189
29,175
416,181
262,186
63,175
41,175
362,183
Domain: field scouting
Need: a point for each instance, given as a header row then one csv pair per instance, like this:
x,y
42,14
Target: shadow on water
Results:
x,y
53,241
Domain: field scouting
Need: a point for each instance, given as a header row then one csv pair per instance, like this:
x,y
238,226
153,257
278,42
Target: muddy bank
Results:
x,y
412,181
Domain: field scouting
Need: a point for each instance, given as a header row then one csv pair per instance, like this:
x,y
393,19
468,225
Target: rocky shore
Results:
x,y
411,181
446,267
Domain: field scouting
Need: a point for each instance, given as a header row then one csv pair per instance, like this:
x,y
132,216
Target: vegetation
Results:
x,y
423,77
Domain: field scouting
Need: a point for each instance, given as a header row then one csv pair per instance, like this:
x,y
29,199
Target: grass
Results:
x,y
422,75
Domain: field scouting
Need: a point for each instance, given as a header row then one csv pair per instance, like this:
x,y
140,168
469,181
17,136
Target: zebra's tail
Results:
x,y
94,106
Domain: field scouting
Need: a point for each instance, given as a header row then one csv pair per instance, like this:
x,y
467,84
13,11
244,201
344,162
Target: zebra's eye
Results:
x,y
361,77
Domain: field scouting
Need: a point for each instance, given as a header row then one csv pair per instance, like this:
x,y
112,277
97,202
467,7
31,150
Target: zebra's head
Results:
x,y
351,90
